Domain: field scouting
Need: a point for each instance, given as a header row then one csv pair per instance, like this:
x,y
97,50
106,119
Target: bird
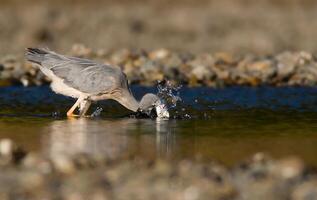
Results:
x,y
89,81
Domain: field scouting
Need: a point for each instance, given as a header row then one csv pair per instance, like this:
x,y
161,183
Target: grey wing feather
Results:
x,y
82,74
89,79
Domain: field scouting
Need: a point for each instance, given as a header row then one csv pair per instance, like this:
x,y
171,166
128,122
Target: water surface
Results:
x,y
210,124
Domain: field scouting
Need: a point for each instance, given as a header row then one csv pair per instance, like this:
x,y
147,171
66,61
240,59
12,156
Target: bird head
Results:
x,y
151,105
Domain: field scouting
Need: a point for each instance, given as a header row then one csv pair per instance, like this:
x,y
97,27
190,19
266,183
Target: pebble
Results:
x,y
63,164
83,176
6,147
204,69
305,191
289,168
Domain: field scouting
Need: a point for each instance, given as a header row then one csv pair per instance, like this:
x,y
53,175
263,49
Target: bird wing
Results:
x,y
94,78
82,74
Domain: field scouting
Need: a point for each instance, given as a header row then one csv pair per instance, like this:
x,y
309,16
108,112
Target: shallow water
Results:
x,y
226,125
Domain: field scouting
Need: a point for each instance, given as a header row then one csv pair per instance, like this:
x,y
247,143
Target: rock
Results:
x,y
6,147
152,71
225,58
82,176
37,162
10,153
305,191
159,54
201,67
162,168
289,168
286,64
304,58
201,73
63,164
204,69
83,161
31,181
119,57
80,50
263,70
254,179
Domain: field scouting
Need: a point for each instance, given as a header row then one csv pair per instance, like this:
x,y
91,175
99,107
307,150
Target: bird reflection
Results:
x,y
165,139
110,138
86,136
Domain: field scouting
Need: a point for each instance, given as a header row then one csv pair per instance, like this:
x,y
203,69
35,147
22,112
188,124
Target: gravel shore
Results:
x,y
29,175
205,69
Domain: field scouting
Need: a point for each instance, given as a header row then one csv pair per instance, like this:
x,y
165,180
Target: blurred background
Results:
x,y
234,64
235,26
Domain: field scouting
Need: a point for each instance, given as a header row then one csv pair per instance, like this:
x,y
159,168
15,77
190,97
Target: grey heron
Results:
x,y
89,81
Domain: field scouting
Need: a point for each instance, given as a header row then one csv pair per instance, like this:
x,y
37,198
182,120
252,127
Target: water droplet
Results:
x,y
187,116
55,114
168,93
97,112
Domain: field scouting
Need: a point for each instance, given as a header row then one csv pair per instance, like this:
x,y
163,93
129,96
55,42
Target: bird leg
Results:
x,y
83,107
72,109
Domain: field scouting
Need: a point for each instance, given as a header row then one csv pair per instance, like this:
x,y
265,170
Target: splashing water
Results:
x,y
97,112
168,94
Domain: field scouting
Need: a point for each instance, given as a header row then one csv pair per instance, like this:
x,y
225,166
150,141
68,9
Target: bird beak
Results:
x,y
161,110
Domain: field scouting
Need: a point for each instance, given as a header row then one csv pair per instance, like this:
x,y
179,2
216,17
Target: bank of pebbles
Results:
x,y
216,70
29,175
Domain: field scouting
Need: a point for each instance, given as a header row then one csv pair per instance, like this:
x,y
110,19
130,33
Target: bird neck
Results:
x,y
128,101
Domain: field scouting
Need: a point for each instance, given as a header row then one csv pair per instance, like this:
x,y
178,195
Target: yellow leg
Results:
x,y
72,109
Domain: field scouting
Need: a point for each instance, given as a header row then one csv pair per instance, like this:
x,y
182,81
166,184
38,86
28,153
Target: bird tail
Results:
x,y
36,55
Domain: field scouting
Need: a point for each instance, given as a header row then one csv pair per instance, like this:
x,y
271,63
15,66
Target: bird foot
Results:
x,y
72,115
87,116
78,116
